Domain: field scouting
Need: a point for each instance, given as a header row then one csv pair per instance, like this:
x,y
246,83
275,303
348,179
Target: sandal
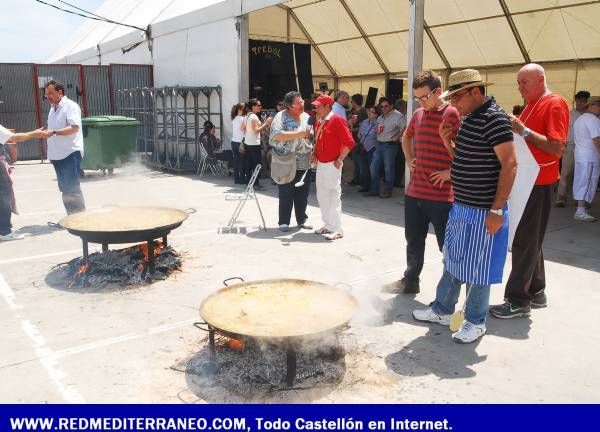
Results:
x,y
322,231
333,236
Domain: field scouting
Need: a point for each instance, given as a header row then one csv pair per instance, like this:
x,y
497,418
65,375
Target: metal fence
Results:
x,y
96,90
24,107
172,120
18,105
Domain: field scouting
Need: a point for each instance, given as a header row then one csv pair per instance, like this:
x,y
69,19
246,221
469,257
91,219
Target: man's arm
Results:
x,y
289,136
597,142
508,159
407,148
554,148
25,136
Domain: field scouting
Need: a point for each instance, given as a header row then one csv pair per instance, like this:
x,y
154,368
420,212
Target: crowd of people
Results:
x,y
459,147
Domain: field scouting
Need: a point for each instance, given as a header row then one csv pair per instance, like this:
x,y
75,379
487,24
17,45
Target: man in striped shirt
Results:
x,y
476,241
429,197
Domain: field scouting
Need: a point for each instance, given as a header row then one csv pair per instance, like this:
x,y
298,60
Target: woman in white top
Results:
x,y
237,120
253,127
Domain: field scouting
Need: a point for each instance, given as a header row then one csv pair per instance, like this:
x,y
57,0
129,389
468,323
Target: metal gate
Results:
x,y
18,105
96,90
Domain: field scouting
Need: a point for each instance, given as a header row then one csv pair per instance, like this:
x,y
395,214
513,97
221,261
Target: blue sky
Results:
x,y
30,31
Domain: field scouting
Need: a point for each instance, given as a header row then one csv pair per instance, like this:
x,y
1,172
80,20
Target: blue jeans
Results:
x,y
385,153
365,168
67,174
446,297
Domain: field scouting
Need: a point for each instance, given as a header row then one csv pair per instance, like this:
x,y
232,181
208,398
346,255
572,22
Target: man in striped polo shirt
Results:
x,y
483,171
429,197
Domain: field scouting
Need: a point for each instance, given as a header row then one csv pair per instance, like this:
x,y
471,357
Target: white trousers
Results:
x,y
585,181
329,195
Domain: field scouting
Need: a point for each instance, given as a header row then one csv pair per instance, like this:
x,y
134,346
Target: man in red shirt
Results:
x,y
333,142
544,124
429,196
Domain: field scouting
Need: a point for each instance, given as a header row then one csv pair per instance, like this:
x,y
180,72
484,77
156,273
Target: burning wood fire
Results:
x,y
129,266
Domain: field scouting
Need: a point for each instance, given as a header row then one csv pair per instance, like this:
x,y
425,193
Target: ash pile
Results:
x,y
251,369
125,267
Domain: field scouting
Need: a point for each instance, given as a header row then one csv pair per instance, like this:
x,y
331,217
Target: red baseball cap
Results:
x,y
323,100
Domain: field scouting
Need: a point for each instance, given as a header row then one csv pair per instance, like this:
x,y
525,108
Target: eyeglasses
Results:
x,y
458,95
426,97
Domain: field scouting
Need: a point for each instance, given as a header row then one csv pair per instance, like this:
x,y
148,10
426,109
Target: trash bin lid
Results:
x,y
109,120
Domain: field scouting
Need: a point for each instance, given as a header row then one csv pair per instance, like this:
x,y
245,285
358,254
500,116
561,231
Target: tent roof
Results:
x,y
359,37
371,37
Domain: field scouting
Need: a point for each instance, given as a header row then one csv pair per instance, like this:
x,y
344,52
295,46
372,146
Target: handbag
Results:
x,y
283,168
242,148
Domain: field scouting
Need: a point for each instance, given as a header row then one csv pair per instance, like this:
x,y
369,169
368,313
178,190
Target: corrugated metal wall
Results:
x,y
96,88
92,87
124,77
139,103
18,108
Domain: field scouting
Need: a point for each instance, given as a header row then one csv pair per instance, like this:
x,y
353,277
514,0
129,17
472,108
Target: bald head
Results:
x,y
532,82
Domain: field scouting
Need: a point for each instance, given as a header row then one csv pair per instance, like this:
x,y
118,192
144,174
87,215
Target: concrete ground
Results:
x,y
123,344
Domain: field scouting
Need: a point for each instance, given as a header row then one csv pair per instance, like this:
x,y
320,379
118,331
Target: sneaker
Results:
x,y
284,228
559,203
12,236
585,217
404,285
259,188
468,332
385,195
306,225
429,315
539,301
507,310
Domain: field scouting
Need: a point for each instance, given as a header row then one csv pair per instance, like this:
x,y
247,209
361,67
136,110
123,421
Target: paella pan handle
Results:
x,y
54,225
232,278
190,210
201,325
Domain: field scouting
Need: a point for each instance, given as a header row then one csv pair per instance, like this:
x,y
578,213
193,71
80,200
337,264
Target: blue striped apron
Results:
x,y
470,253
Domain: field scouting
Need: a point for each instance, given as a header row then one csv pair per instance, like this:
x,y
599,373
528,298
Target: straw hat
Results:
x,y
594,100
464,79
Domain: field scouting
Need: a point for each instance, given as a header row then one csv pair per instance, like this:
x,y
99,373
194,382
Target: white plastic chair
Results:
x,y
206,162
248,194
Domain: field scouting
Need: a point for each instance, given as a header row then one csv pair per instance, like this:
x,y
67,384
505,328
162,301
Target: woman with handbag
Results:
x,y
253,127
292,147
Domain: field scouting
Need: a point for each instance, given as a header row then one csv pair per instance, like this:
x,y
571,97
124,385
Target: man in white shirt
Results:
x,y
568,157
7,197
65,144
587,158
339,107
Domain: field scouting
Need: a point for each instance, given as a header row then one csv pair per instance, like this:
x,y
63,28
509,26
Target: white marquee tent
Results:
x,y
355,43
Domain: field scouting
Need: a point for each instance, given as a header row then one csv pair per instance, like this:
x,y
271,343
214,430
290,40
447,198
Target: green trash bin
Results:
x,y
109,141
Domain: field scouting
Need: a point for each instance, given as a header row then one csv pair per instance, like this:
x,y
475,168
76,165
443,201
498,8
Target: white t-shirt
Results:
x,y
5,135
236,133
585,129
251,138
67,113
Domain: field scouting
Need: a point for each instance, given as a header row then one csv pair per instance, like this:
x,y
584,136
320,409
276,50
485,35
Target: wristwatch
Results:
x,y
499,212
526,132
53,133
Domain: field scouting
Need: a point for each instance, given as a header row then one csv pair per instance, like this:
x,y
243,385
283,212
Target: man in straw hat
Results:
x,y
333,142
544,124
482,173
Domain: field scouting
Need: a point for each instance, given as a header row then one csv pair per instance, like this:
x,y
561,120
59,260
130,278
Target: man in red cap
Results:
x,y
333,142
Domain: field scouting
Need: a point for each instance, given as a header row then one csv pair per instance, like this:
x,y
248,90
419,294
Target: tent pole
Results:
x,y
415,57
243,26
